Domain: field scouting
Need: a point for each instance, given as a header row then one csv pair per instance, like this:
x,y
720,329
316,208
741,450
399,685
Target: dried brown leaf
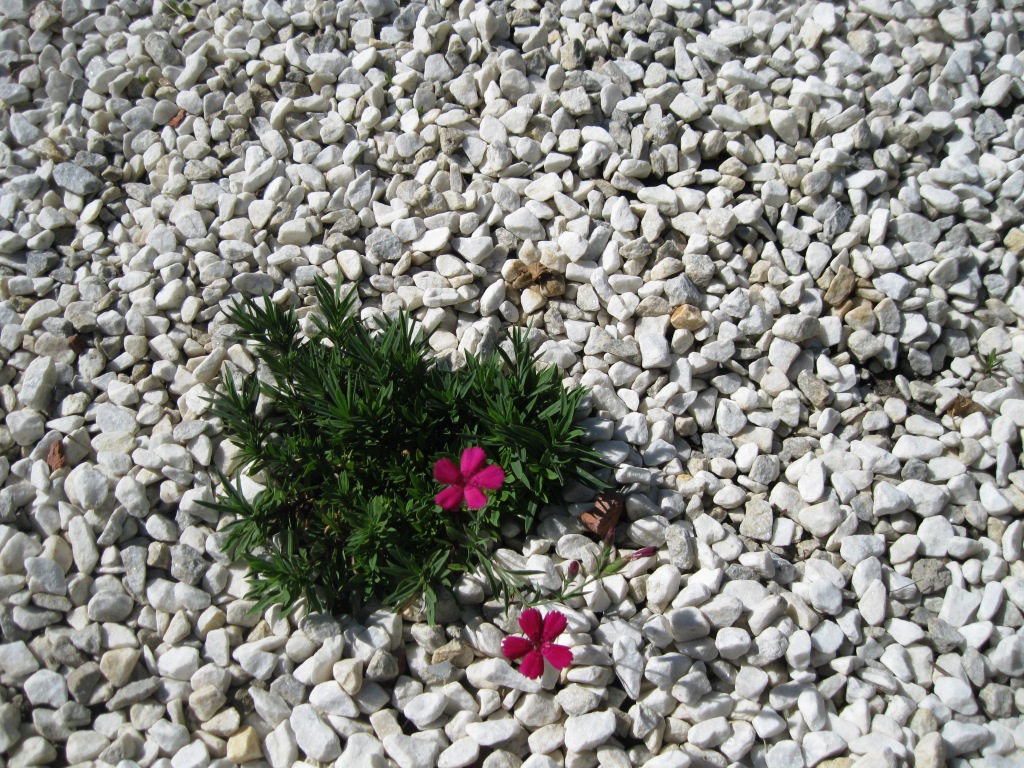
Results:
x,y
549,282
55,458
175,121
76,343
602,518
963,406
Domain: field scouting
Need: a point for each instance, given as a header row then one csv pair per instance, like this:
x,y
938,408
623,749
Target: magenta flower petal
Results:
x,y
530,621
467,479
558,656
515,647
474,497
533,665
472,459
446,472
537,647
450,499
491,477
554,624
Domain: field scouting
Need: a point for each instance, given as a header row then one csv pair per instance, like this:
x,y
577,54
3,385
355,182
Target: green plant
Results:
x,y
515,585
989,362
345,431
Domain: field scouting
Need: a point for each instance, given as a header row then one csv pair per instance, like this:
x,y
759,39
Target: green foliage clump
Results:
x,y
344,433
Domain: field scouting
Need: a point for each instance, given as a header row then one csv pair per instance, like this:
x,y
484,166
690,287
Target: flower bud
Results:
x,y
640,554
574,569
619,563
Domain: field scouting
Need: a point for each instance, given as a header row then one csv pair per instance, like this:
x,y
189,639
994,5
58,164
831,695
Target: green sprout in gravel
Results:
x,y
574,581
182,9
344,431
990,362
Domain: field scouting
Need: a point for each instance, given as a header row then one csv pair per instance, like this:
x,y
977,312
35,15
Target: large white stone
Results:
x,y
588,732
410,752
37,383
313,736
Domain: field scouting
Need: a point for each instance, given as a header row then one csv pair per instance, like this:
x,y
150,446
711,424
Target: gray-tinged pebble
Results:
x,y
133,693
74,178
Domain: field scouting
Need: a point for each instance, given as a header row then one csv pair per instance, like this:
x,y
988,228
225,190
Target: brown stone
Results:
x,y
687,317
349,674
206,701
814,389
862,318
841,287
244,746
454,651
1014,241
117,665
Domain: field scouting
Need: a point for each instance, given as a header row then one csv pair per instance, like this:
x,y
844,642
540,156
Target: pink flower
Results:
x,y
537,646
466,480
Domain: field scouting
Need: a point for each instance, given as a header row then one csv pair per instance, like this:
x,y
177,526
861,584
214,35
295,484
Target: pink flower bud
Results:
x,y
640,554
574,569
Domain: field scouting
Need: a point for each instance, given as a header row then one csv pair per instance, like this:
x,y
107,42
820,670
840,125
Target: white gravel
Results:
x,y
782,248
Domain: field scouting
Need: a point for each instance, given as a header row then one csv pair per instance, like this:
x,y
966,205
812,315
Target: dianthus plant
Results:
x,y
386,473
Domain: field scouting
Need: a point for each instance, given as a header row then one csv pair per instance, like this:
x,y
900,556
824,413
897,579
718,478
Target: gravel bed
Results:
x,y
781,243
